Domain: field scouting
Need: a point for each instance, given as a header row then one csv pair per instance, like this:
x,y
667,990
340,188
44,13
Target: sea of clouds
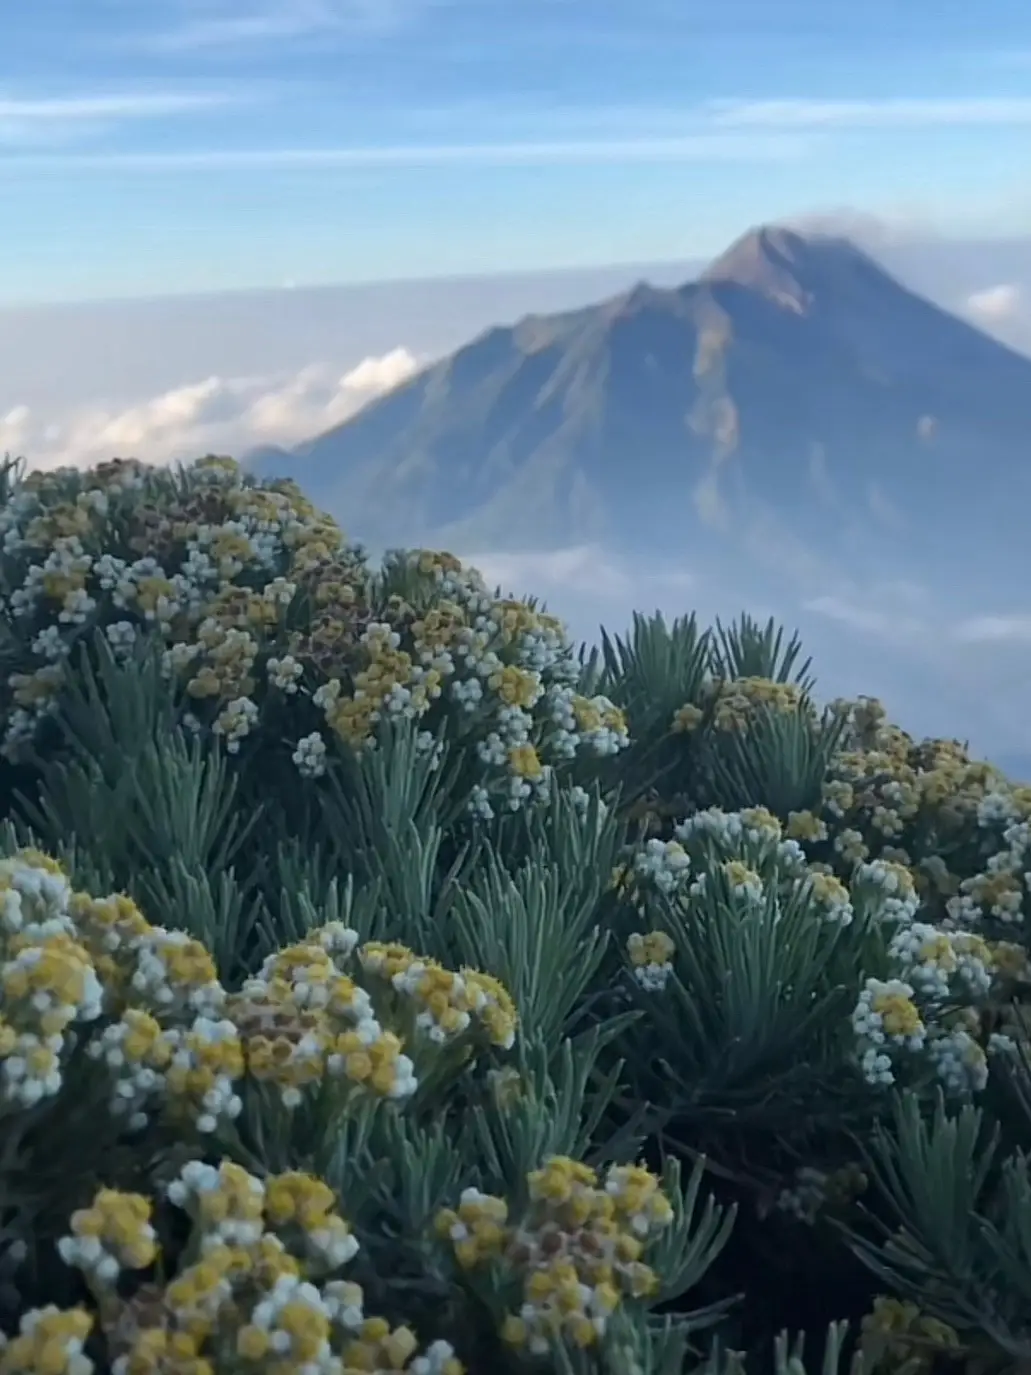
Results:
x,y
212,415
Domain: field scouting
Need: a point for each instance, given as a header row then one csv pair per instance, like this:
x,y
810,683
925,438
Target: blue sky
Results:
x,y
187,145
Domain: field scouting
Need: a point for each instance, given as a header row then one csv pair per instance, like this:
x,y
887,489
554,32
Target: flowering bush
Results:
x,y
786,944
147,1005
331,1023
274,627
921,988
249,1290
252,1285
573,1257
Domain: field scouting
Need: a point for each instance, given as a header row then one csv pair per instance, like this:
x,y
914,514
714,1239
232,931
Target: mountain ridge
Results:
x,y
793,361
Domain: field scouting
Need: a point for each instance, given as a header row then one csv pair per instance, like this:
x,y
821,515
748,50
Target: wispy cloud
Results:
x,y
128,105
230,31
887,622
995,304
52,122
698,148
883,229
278,22
1015,629
890,112
583,569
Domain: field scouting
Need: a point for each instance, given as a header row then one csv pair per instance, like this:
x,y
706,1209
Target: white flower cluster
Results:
x,y
666,864
48,984
67,582
959,1060
651,958
940,974
896,898
754,828
933,960
886,1017
198,1186
310,756
830,895
1001,892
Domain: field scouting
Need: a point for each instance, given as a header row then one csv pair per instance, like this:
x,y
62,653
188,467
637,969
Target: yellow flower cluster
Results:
x,y
48,984
742,880
145,1001
447,1003
651,958
149,1007
577,1251
307,1016
50,1341
731,704
253,1288
115,1233
896,1335
832,896
256,596
886,1017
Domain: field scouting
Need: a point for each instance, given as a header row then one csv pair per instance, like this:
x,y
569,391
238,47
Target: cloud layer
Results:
x,y
701,146
216,414
715,130
895,641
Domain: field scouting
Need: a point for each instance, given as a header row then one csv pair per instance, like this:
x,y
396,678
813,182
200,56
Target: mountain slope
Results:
x,y
794,394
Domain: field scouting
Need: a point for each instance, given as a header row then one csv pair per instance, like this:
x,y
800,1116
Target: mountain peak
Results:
x,y
787,266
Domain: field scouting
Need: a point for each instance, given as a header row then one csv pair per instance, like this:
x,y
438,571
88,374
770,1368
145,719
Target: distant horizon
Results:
x,y
558,270
867,233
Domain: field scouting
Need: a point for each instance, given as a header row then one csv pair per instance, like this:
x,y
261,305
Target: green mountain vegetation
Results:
x,y
385,986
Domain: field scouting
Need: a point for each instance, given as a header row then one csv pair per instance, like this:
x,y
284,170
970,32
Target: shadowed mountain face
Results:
x,y
795,433
794,403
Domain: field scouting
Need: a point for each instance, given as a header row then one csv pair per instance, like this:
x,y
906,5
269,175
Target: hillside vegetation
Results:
x,y
386,985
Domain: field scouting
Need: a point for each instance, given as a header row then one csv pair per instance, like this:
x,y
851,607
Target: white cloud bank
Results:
x,y
217,414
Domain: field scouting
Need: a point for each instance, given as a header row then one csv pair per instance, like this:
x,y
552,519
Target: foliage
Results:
x,y
634,1010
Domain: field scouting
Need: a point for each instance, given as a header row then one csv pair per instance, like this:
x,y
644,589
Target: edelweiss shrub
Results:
x,y
921,987
275,628
925,806
572,1258
731,704
946,840
147,1007
254,1288
939,841
257,1283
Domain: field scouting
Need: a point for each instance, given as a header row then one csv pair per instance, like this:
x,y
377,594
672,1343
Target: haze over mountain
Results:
x,y
794,382
795,433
